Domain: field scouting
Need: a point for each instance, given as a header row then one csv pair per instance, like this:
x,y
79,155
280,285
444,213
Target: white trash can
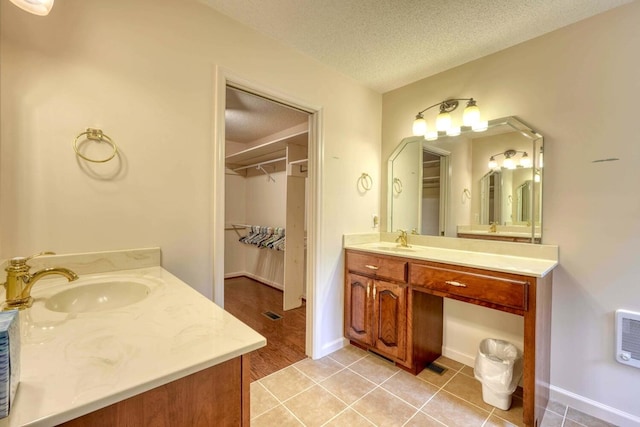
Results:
x,y
499,368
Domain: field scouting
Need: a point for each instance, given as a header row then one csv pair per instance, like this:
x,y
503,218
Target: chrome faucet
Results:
x,y
402,239
20,281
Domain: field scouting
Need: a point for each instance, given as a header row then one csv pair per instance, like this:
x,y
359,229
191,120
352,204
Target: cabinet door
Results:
x,y
357,309
390,319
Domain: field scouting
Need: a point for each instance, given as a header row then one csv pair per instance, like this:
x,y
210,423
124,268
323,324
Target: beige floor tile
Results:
x,y
384,409
423,420
261,399
551,419
514,414
469,389
319,369
436,379
350,418
348,355
494,421
468,370
585,419
315,406
557,407
453,411
374,369
449,363
348,386
277,417
410,388
286,383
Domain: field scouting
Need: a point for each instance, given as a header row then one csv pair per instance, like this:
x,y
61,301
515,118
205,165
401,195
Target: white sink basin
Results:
x,y
99,296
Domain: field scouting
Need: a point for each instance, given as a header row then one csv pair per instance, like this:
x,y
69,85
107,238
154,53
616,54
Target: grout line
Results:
x,y
564,417
425,414
294,415
334,417
264,412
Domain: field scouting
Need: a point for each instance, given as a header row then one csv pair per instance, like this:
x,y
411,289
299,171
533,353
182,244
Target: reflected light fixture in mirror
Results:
x,y
37,7
509,161
444,122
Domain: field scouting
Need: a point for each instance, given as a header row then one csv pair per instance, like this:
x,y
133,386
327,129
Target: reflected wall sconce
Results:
x,y
537,177
444,123
509,161
37,7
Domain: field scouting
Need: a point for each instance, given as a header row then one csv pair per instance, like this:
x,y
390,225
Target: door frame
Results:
x,y
221,78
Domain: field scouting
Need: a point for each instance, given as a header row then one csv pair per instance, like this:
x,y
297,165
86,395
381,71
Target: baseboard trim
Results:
x,y
458,356
593,408
333,346
262,280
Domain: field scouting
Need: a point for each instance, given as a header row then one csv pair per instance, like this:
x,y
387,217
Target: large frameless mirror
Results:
x,y
485,185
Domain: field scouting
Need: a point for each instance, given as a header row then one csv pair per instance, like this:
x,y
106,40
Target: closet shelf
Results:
x,y
266,152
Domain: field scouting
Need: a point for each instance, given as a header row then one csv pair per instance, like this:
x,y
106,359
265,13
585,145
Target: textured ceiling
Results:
x,y
386,44
249,117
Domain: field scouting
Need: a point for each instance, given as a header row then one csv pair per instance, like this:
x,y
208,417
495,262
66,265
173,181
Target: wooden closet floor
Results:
x,y
247,300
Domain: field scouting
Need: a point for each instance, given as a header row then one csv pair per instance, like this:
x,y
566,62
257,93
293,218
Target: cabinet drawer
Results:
x,y
377,266
489,287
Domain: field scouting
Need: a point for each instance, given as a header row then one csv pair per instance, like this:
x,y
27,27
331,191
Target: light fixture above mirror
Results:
x,y
37,7
444,123
509,161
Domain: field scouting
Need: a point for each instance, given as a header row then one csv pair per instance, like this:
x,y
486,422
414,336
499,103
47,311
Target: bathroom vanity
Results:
x,y
129,344
394,299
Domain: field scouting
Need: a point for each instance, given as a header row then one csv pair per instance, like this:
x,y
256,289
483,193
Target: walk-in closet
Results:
x,y
266,196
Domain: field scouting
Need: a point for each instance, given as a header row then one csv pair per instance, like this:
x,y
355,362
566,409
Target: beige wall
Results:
x,y
578,86
144,72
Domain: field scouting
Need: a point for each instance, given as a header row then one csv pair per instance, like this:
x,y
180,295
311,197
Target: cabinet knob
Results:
x,y
457,284
372,267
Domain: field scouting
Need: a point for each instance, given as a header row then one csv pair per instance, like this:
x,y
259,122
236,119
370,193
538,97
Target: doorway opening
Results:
x,y
268,213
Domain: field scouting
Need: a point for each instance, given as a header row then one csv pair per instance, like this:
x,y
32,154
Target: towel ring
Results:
x,y
365,181
397,185
95,135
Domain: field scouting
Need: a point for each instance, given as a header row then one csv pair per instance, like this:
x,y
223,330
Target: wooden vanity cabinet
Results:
x,y
376,304
216,396
424,285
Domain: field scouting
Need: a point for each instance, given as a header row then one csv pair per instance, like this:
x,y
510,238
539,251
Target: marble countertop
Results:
x,y
508,257
76,363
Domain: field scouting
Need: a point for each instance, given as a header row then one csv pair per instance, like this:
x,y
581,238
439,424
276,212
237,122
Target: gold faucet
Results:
x,y
492,227
20,281
402,239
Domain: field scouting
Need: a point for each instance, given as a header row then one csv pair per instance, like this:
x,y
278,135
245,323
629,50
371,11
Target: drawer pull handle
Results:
x,y
458,284
371,267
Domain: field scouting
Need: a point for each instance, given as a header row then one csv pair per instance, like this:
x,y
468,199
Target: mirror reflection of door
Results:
x,y
433,195
523,210
491,196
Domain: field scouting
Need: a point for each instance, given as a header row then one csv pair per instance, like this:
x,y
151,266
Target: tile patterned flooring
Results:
x,y
354,388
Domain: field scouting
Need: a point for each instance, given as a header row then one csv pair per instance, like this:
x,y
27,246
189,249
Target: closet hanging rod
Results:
x,y
259,164
299,162
236,226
